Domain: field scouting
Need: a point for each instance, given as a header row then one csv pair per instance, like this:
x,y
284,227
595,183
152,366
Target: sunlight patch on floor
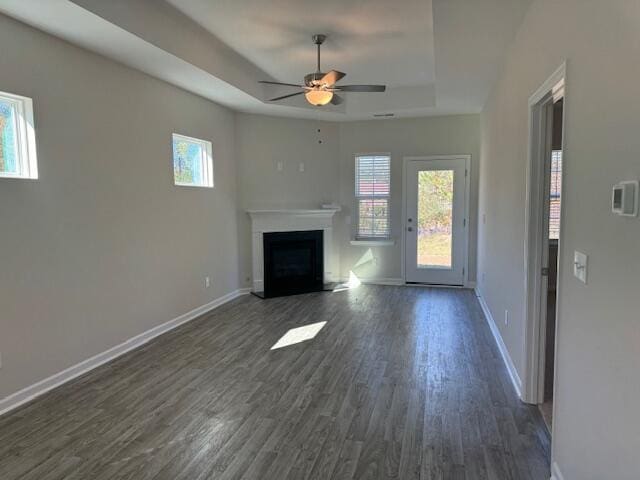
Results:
x,y
298,335
353,282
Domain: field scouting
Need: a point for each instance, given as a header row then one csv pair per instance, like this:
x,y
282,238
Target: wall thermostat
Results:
x,y
624,200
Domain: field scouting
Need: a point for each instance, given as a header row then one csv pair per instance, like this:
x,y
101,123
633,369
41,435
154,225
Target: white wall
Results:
x,y
596,424
263,141
103,246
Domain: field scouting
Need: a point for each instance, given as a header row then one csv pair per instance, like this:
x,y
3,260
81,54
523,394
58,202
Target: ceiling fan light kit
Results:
x,y
318,96
320,88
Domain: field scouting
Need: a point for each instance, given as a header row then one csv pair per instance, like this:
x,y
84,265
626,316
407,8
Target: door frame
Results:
x,y
467,183
535,319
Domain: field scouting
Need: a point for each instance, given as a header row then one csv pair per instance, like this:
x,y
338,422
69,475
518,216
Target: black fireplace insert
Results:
x,y
293,263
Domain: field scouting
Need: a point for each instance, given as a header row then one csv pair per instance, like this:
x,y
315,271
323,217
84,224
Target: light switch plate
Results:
x,y
580,265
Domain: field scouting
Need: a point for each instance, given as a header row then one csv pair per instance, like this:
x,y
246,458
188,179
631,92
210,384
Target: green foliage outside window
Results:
x,y
435,200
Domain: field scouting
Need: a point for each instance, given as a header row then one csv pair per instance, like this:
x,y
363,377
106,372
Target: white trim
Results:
x,y
27,157
504,352
263,221
376,281
403,240
206,161
358,198
320,212
31,392
547,87
435,285
373,243
534,228
556,474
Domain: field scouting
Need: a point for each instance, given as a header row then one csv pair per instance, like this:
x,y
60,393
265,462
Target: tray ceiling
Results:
x,y
436,56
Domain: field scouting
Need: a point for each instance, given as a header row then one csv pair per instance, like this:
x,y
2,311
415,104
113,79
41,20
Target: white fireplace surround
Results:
x,y
290,221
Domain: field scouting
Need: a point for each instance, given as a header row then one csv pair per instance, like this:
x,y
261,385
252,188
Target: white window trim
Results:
x,y
363,240
26,138
374,242
206,161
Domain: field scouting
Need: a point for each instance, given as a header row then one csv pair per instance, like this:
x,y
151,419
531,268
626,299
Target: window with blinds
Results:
x,y
556,194
373,187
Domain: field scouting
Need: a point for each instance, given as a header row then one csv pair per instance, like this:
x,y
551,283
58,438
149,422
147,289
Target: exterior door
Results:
x,y
435,223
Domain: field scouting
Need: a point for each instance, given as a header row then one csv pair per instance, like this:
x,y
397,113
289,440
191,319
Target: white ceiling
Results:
x,y
367,39
436,56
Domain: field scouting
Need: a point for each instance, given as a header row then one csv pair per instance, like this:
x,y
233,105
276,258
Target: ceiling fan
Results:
x,y
320,88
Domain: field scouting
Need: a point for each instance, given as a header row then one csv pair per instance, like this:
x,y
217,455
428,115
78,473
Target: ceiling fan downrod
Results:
x,y
319,39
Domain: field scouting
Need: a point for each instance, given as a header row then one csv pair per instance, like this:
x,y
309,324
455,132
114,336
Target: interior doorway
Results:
x,y
544,237
551,242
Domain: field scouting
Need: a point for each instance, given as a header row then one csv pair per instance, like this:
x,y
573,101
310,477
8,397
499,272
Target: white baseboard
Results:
x,y
555,472
400,281
513,373
376,281
29,393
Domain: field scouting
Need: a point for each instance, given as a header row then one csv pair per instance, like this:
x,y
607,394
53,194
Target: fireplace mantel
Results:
x,y
290,220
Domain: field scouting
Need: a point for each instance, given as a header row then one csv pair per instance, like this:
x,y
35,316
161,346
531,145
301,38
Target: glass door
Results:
x,y
435,248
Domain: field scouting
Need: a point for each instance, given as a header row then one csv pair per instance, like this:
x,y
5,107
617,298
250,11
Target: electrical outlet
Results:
x,y
280,166
506,317
301,167
207,282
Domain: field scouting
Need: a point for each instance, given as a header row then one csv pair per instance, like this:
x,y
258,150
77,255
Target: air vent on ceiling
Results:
x,y
383,115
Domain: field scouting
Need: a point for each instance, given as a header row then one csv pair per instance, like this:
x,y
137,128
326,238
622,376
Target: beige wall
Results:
x,y
450,135
103,246
263,141
597,424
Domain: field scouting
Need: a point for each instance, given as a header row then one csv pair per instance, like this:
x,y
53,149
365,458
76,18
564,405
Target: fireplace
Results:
x,y
264,222
293,262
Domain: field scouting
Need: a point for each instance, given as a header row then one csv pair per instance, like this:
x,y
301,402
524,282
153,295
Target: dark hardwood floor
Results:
x,y
401,382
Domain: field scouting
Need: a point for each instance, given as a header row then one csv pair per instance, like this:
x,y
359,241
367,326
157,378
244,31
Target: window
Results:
x,y
373,187
17,137
192,162
555,194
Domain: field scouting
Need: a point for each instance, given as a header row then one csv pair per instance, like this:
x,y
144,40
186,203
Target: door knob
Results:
x,y
410,229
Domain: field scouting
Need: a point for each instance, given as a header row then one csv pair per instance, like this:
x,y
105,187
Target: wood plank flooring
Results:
x,y
401,382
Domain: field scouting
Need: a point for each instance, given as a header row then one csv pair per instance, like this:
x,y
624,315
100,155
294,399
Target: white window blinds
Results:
x,y
373,187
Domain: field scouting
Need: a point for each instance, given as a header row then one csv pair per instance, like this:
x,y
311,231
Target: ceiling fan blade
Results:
x,y
285,96
336,100
332,77
360,88
279,83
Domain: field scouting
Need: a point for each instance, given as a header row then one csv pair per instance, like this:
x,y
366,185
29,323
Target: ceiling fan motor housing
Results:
x,y
319,38
313,79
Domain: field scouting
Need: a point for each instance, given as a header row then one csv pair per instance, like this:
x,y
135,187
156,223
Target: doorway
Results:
x,y
551,242
435,230
544,235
